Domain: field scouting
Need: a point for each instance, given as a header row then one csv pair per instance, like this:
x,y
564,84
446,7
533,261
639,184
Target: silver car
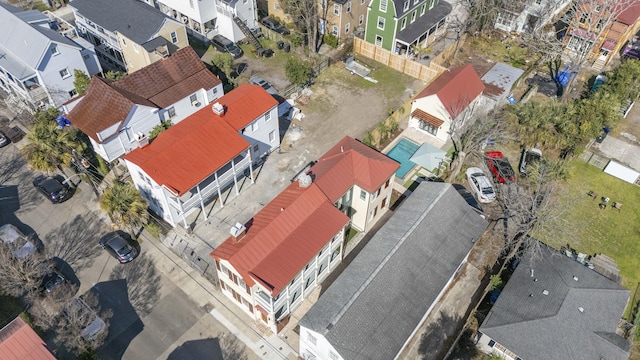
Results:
x,y
480,185
264,84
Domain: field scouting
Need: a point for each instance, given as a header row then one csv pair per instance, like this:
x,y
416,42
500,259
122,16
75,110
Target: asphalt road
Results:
x,y
151,314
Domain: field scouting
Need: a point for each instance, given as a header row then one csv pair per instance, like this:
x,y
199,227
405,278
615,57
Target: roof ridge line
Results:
x,y
389,255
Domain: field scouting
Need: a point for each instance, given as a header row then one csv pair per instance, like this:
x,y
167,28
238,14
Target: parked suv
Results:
x,y
529,157
223,44
52,188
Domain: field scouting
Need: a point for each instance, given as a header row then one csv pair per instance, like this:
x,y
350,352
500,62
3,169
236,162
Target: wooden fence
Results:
x,y
426,73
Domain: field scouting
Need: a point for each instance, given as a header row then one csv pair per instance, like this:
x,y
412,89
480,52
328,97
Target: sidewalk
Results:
x,y
207,296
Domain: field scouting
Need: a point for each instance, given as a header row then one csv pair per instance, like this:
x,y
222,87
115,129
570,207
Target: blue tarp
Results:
x,y
63,121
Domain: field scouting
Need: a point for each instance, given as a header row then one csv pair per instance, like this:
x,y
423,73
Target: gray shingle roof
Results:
x,y
133,19
372,308
538,326
23,45
413,31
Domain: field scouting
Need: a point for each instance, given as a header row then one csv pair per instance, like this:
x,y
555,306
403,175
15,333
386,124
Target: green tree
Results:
x,y
49,146
164,125
298,71
124,205
368,139
224,62
383,132
114,75
81,81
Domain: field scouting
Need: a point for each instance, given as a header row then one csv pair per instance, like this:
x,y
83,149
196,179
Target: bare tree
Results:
x,y
586,25
82,325
21,273
305,14
529,205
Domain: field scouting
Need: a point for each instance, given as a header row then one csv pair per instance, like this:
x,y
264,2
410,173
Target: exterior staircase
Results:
x,y
598,65
249,34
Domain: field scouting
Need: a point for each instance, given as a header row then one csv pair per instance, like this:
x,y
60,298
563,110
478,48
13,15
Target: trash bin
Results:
x,y
260,52
280,45
287,47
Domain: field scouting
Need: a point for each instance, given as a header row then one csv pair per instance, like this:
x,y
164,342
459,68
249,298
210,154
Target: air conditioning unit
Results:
x,y
195,103
218,108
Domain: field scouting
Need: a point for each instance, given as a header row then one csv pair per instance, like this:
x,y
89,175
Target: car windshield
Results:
x,y
124,249
487,191
232,47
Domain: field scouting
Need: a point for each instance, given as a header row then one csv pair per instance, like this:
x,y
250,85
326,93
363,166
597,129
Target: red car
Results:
x,y
500,167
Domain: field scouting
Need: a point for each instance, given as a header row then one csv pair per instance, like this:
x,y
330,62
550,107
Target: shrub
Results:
x,y
331,40
298,71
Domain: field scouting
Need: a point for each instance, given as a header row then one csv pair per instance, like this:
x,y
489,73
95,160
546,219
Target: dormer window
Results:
x,y
406,5
54,50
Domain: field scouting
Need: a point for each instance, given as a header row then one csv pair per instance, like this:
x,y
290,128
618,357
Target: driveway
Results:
x,y
152,316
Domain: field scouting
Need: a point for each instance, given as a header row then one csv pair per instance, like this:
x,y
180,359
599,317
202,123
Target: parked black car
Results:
x,y
120,245
52,188
52,280
274,25
223,44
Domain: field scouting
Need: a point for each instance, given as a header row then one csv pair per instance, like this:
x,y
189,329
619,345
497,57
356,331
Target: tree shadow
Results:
x,y
465,347
124,325
438,337
76,241
203,349
143,283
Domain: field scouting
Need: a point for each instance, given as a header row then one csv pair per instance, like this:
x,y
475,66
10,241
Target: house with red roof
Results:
x,y
117,116
448,101
18,341
269,265
201,156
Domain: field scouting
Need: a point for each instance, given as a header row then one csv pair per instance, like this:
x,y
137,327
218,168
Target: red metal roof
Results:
x,y
351,162
455,88
18,341
283,237
158,85
190,151
246,103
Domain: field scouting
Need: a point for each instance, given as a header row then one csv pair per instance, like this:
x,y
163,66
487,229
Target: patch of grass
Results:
x,y
350,235
591,230
10,307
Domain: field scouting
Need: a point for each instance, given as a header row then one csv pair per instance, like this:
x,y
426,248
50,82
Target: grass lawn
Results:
x,y
591,230
10,307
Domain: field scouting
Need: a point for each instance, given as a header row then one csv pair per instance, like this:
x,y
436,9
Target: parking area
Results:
x,y
153,316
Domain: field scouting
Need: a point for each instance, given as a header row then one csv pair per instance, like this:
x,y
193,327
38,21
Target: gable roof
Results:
x,y
534,325
133,19
373,307
455,88
18,341
351,162
23,45
159,85
283,237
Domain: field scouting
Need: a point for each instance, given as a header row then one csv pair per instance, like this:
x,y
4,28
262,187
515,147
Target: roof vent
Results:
x,y
575,278
581,309
531,272
218,108
545,292
237,231
304,180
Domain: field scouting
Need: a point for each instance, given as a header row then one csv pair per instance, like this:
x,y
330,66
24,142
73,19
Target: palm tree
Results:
x,y
49,146
124,205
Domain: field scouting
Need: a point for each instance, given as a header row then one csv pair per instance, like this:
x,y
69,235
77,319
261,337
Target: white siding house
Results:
x,y
202,155
271,264
117,116
37,63
528,15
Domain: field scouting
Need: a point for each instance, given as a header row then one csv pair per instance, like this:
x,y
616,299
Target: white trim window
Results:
x,y
272,136
413,17
335,30
423,9
361,19
348,9
378,40
255,126
64,73
54,50
267,116
403,24
174,37
347,27
406,5
336,9
381,22
383,5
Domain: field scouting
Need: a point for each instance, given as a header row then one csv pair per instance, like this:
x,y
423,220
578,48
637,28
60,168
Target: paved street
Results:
x,y
153,315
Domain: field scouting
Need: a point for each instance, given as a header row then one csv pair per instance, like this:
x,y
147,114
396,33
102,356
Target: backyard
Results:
x,y
591,230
